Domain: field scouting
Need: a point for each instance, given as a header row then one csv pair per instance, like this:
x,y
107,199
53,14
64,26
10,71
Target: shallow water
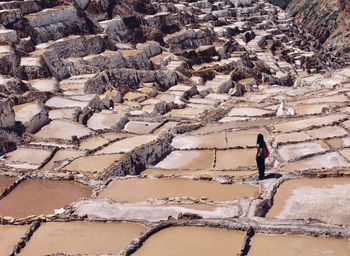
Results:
x,y
93,164
308,123
6,181
35,197
34,156
329,197
61,155
235,158
216,140
127,145
10,236
288,245
248,112
150,212
140,127
245,138
104,120
144,189
93,143
189,159
44,85
25,112
82,237
292,151
196,173
327,161
194,241
63,129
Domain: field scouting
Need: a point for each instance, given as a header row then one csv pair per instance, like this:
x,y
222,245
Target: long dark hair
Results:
x,y
260,139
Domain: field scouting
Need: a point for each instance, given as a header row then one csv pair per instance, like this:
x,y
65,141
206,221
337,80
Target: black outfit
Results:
x,y
260,160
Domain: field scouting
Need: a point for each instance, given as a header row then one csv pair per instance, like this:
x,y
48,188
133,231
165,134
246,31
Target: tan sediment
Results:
x,y
144,189
61,155
5,181
292,151
35,197
235,158
194,241
307,123
323,199
28,155
326,161
93,164
128,144
140,127
10,236
189,159
287,245
93,143
216,140
246,138
82,238
63,129
196,173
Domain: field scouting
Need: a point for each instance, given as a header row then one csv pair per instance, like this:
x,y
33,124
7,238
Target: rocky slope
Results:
x,y
327,20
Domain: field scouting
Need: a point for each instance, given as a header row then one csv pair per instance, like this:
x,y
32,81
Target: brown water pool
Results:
x,y
288,245
6,181
10,236
35,197
189,159
82,237
194,241
235,158
144,189
97,163
329,196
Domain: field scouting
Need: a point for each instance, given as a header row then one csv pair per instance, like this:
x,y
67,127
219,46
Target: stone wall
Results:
x,y
7,115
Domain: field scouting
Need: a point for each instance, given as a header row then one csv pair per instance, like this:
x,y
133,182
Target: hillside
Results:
x,y
327,20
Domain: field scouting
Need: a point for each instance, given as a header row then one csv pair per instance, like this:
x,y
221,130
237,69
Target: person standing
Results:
x,y
261,154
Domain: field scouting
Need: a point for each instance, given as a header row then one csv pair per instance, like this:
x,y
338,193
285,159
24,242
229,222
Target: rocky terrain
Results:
x,y
129,128
327,20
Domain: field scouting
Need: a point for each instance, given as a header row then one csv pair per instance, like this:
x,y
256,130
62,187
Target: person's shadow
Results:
x,y
273,176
